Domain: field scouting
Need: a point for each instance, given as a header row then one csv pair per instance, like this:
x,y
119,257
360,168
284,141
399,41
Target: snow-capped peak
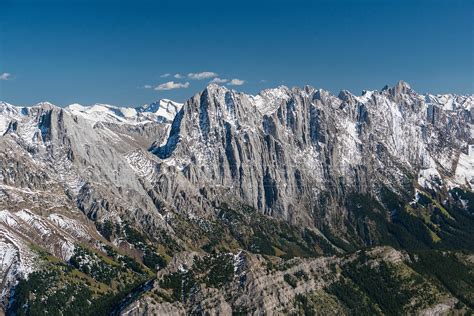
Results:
x,y
161,111
103,112
451,102
45,105
164,109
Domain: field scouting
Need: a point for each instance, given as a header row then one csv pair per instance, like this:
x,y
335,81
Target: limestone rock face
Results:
x,y
168,168
63,169
292,152
295,154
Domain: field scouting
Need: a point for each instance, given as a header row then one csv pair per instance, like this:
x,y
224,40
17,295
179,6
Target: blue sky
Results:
x,y
118,51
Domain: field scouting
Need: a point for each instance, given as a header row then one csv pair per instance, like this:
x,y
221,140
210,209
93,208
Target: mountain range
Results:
x,y
292,201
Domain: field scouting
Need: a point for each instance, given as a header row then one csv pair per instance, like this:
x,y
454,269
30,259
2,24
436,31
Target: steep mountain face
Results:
x,y
293,153
59,168
284,174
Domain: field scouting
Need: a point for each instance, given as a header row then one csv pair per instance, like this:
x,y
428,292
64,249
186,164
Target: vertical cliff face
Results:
x,y
284,149
295,154
350,171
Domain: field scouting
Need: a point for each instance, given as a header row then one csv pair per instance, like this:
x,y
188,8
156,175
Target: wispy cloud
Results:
x,y
236,82
219,80
5,76
178,76
166,75
202,75
170,85
147,86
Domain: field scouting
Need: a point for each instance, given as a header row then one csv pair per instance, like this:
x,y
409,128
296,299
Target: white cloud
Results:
x,y
147,86
170,85
219,80
178,76
166,75
5,76
202,75
236,82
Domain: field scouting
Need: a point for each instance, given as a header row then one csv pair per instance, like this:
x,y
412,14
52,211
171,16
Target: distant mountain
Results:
x,y
290,201
162,111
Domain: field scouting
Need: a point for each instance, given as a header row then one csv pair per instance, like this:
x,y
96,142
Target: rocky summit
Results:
x,y
293,201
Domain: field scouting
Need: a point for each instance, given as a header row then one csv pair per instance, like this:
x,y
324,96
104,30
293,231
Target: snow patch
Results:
x,y
428,176
465,170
